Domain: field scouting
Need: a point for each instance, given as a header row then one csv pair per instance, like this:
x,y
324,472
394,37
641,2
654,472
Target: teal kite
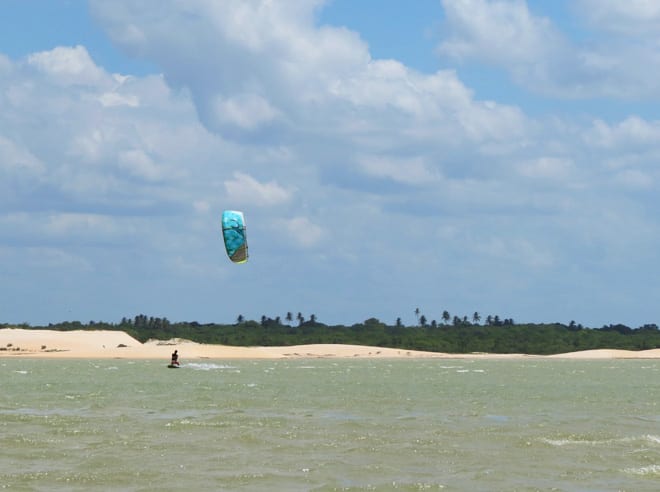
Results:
x,y
234,235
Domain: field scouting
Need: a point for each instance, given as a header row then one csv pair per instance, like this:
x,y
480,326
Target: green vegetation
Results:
x,y
453,335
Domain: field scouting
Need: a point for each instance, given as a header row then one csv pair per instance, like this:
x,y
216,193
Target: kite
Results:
x,y
234,235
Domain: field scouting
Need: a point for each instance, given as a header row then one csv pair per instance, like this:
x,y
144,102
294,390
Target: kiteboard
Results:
x,y
173,366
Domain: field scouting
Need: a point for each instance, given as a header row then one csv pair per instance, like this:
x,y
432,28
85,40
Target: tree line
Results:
x,y
453,334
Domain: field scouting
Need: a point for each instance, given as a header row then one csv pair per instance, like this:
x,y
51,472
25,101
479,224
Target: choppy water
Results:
x,y
298,425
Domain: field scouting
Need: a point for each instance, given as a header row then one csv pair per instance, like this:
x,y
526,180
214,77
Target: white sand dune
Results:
x,y
101,344
611,354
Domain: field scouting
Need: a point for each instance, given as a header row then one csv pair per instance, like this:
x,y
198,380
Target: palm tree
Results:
x,y
240,319
446,316
399,324
476,318
417,314
300,318
312,318
422,320
289,317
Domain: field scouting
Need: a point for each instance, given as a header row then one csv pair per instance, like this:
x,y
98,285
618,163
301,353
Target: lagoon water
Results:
x,y
330,424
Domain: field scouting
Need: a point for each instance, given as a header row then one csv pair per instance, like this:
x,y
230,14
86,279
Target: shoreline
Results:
x,y
105,344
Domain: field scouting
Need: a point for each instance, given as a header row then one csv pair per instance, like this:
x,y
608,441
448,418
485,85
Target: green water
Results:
x,y
319,424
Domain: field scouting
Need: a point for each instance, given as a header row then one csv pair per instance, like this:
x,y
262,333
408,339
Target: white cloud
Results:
x,y
89,145
5,64
239,48
499,32
632,131
286,72
80,223
633,17
301,232
56,259
77,147
490,122
431,108
381,83
244,189
552,168
538,56
634,179
412,171
109,99
74,228
505,33
139,164
516,250
201,206
68,66
247,111
16,160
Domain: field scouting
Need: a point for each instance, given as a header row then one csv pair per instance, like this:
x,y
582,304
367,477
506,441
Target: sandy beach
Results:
x,y
83,344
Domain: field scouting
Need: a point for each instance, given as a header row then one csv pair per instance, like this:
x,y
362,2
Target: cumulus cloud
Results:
x,y
632,131
80,147
74,223
412,171
504,33
301,232
248,111
499,32
529,253
244,189
68,66
266,55
246,74
634,179
139,164
55,259
538,56
5,64
552,168
109,99
630,18
16,160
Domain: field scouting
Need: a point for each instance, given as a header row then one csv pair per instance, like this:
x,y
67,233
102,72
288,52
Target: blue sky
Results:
x,y
464,155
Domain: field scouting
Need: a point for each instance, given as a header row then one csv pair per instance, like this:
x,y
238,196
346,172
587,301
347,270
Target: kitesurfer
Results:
x,y
175,358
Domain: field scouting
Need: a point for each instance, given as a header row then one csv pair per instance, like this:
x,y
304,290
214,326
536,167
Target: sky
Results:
x,y
491,156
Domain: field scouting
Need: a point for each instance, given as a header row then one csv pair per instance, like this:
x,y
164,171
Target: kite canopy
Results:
x,y
234,235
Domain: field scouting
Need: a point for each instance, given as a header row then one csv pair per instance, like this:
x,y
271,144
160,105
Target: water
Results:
x,y
323,424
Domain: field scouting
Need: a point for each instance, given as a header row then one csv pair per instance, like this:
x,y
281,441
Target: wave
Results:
x,y
653,439
653,470
207,366
575,441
